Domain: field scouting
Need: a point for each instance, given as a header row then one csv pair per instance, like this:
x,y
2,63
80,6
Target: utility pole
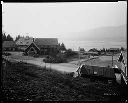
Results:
x,y
79,55
112,58
50,65
45,65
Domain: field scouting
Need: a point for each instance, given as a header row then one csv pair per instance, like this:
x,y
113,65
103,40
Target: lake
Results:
x,y
93,44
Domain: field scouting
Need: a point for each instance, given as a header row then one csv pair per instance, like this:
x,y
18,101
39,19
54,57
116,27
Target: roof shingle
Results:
x,y
7,44
24,41
46,41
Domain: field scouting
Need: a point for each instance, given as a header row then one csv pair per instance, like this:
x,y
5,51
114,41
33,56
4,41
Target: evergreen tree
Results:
x,y
122,48
93,50
9,38
17,37
3,37
62,46
104,50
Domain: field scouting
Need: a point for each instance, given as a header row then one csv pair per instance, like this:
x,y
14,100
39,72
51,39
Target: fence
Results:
x,y
124,72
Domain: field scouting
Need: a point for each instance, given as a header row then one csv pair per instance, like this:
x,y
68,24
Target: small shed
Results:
x,y
104,73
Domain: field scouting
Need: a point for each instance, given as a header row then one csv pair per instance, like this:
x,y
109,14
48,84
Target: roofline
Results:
x,y
29,50
34,44
46,38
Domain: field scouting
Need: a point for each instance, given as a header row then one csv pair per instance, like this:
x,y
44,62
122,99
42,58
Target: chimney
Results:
x,y
33,39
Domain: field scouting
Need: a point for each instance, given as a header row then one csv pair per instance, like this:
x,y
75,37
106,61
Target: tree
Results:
x,y
17,37
122,48
3,37
70,53
107,50
62,47
99,52
93,50
104,50
9,38
6,38
82,50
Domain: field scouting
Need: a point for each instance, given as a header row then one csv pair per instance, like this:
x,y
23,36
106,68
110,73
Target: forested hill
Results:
x,y
111,33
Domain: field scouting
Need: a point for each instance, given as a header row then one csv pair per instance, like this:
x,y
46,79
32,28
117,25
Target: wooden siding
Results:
x,y
101,71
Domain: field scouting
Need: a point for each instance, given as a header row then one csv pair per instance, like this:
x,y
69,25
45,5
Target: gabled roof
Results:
x,y
46,41
24,41
7,44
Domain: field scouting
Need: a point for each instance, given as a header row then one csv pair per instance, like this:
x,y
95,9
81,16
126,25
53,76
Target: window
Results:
x,y
95,72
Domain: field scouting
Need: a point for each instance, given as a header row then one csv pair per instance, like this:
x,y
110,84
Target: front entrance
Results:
x,y
32,51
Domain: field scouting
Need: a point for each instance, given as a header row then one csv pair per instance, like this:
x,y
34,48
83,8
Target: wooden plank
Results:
x,y
123,74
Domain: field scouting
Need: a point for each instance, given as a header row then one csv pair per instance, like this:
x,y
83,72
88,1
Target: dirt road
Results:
x,y
64,67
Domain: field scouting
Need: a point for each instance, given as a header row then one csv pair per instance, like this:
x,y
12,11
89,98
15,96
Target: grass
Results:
x,y
27,82
102,62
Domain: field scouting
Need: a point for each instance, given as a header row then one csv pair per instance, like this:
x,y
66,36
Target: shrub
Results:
x,y
24,53
36,55
69,53
56,59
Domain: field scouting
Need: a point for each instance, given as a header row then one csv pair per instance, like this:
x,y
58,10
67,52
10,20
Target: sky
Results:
x,y
57,20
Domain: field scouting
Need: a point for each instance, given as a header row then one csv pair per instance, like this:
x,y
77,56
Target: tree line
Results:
x,y
6,37
105,50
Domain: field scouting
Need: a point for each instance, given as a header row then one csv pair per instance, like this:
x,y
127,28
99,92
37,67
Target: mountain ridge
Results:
x,y
108,33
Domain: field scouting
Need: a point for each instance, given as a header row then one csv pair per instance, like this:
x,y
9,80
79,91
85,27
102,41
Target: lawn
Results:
x,y
103,61
27,82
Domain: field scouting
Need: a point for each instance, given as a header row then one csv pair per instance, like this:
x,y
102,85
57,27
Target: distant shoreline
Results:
x,y
87,45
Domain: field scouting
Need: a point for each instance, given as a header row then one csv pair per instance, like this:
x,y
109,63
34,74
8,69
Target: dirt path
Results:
x,y
62,67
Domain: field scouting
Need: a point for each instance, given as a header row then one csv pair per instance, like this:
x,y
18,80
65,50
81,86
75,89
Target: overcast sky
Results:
x,y
58,19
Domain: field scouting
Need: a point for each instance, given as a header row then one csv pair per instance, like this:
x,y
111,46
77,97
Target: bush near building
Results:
x,y
60,57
